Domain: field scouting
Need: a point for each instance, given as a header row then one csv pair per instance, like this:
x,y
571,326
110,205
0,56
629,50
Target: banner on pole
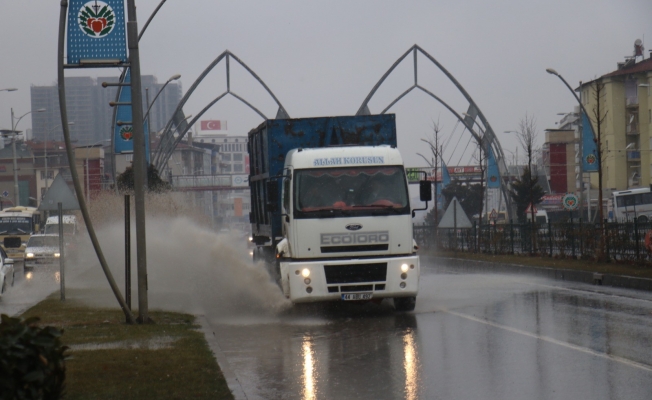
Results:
x,y
590,155
124,134
96,32
493,175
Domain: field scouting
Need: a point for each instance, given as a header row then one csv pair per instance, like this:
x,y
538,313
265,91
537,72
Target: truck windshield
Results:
x,y
351,191
15,225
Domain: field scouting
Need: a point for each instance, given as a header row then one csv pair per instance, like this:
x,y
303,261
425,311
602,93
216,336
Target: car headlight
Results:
x,y
57,255
251,239
28,276
29,255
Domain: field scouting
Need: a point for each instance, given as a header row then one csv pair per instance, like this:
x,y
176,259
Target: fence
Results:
x,y
622,241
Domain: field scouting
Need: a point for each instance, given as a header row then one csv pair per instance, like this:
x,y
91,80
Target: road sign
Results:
x,y
493,215
5,194
570,201
531,209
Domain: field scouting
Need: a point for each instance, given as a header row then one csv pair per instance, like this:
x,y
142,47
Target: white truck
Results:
x,y
331,214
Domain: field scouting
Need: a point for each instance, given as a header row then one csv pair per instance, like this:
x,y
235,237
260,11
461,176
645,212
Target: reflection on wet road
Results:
x,y
472,337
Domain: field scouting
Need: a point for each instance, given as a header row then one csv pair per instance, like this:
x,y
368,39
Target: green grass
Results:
x,y
168,359
615,268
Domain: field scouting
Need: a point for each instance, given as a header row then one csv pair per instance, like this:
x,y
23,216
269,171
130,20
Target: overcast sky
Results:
x,y
323,57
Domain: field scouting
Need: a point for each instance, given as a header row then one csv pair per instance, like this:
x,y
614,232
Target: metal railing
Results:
x,y
187,181
625,241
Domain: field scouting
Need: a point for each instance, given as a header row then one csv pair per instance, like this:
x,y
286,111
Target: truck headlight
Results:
x,y
305,272
405,267
57,255
29,255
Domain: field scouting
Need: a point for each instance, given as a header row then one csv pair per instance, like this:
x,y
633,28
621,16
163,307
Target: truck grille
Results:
x,y
376,272
12,242
342,249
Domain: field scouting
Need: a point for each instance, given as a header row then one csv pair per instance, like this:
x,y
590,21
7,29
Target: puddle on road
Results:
x,y
157,343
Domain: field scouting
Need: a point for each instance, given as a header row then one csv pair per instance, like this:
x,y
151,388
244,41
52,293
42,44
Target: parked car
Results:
x,y
7,272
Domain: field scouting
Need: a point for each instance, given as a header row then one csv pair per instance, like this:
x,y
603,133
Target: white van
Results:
x,y
69,225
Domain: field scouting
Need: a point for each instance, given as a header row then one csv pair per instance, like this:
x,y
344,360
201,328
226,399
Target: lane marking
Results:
x,y
547,339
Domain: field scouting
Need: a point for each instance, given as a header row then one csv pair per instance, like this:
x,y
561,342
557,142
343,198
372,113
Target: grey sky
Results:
x,y
323,57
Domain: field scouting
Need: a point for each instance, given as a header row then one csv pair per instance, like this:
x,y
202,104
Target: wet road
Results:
x,y
472,336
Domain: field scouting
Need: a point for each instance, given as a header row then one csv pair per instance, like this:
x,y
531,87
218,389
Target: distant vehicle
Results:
x,y
42,251
632,204
17,224
69,225
7,272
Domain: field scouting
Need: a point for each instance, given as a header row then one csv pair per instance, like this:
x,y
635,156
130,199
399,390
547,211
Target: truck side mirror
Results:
x,y
425,190
272,195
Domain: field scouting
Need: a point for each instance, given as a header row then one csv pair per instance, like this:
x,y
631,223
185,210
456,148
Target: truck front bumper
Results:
x,y
329,280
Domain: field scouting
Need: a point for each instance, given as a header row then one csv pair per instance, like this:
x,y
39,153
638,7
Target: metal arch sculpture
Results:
x,y
469,120
168,142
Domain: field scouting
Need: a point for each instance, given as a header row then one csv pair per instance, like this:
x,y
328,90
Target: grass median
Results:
x,y
613,267
109,359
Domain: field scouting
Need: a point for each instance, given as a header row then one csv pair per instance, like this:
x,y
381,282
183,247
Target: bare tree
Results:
x,y
435,157
599,117
527,135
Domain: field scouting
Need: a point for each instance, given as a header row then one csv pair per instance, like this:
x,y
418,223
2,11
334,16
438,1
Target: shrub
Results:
x,y
31,360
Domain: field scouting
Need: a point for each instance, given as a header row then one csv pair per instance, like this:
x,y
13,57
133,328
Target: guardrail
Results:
x,y
195,181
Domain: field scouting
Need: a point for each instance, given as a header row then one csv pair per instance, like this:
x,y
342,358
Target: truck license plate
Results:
x,y
356,296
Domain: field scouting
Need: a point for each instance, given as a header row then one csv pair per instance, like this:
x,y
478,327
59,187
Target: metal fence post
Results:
x,y
638,255
606,237
581,240
550,236
572,227
511,233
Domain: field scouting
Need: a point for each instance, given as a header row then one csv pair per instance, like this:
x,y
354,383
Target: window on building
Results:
x,y
238,168
226,168
237,157
226,157
50,175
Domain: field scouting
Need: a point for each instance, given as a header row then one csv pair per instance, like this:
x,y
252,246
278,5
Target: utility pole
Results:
x,y
139,160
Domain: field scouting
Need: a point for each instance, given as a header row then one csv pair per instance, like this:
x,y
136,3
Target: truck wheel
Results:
x,y
405,303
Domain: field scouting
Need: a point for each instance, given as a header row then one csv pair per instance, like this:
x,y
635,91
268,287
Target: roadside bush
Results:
x,y
31,360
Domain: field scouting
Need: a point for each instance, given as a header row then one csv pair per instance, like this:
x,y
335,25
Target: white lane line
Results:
x,y
547,339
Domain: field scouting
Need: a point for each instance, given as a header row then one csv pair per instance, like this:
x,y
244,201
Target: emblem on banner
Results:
x,y
127,133
591,159
96,19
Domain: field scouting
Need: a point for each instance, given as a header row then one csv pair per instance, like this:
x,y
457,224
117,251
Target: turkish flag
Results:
x,y
213,125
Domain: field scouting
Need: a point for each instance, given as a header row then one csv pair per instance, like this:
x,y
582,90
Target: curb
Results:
x,y
619,281
231,380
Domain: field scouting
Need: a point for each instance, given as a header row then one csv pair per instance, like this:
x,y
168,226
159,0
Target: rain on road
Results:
x,y
472,336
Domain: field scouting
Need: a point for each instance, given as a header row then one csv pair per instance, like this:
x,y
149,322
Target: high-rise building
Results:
x,y
89,110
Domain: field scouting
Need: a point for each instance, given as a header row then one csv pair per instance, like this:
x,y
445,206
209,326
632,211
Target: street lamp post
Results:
x,y
14,125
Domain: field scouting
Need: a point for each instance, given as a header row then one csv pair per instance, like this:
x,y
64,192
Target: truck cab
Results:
x,y
347,226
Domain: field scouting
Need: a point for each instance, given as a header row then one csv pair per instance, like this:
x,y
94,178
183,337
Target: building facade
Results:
x,y
624,123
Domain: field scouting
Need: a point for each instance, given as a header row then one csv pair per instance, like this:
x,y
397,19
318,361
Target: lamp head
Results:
x,y
175,77
41,110
552,71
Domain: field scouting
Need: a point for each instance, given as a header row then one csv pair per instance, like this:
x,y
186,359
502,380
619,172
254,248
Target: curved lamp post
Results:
x,y
8,90
14,125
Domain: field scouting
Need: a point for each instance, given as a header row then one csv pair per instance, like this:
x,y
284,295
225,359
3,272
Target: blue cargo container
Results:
x,y
270,142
